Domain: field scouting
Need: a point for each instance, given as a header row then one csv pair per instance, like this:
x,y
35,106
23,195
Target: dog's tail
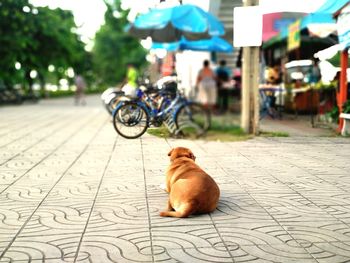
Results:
x,y
183,211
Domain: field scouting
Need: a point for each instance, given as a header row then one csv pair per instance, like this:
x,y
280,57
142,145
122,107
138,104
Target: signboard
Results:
x,y
247,26
282,23
294,35
343,27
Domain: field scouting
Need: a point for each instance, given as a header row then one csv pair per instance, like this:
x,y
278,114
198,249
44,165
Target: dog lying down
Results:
x,y
191,190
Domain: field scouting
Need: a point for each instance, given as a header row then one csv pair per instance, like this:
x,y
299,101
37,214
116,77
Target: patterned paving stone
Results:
x,y
329,198
250,234
330,252
119,214
71,190
28,193
129,245
192,255
19,164
121,189
340,212
271,253
56,225
298,213
43,248
318,232
78,190
315,186
9,176
280,200
232,210
199,243
3,187
16,209
264,184
190,236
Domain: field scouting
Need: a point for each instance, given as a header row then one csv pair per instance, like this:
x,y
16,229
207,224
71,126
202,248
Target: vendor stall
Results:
x,y
343,27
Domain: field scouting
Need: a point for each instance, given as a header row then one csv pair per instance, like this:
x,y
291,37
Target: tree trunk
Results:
x,y
42,85
29,82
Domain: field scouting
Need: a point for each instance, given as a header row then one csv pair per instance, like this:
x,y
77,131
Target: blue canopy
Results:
x,y
332,6
170,24
216,44
323,15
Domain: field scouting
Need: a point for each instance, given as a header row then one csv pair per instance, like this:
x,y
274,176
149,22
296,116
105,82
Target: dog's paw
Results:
x,y
163,213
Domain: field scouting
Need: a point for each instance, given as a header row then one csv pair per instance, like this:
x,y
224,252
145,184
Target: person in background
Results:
x,y
80,90
206,83
223,75
130,87
314,73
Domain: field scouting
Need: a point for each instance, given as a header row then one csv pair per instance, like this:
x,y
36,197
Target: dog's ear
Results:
x,y
171,151
192,156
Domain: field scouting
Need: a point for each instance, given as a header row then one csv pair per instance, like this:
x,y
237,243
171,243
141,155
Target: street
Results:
x,y
72,190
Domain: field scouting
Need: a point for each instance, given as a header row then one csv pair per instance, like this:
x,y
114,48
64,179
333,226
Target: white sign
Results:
x,y
247,26
343,26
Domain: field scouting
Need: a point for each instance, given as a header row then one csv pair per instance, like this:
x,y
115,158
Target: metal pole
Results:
x,y
245,112
250,82
343,84
255,85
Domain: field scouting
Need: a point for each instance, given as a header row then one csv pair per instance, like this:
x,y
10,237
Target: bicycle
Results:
x,y
131,119
110,98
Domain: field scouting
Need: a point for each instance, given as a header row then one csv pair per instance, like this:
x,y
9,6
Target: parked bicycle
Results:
x,y
110,98
155,107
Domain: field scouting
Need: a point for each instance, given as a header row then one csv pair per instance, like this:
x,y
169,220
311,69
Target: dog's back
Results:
x,y
191,190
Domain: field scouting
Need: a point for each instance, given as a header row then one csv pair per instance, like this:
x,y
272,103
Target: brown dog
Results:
x,y
191,190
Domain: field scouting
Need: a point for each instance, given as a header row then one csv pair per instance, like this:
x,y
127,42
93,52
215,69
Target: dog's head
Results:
x,y
181,152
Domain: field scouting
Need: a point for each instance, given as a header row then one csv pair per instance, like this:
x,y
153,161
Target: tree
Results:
x,y
14,31
114,48
56,43
37,38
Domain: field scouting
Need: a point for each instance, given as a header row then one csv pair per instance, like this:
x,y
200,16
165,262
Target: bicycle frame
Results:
x,y
166,115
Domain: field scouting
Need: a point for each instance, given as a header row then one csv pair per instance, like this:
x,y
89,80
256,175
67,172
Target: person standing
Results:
x,y
223,75
314,73
80,90
206,83
130,87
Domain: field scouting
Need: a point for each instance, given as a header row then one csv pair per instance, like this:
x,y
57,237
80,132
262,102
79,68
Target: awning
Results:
x,y
323,17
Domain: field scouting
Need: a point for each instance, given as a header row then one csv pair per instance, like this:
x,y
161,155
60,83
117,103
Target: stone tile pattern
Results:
x,y
71,190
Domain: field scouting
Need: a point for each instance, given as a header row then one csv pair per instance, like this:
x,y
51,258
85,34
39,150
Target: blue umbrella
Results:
x,y
216,44
171,24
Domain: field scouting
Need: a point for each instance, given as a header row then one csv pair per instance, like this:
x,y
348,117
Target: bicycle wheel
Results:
x,y
130,120
110,106
114,102
192,119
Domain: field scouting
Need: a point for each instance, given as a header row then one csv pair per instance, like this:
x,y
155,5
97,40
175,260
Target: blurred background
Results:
x,y
46,44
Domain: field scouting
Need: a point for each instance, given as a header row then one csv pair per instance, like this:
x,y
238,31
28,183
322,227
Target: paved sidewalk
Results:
x,y
71,190
300,126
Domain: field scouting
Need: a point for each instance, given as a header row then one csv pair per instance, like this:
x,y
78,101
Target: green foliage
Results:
x,y
346,107
273,134
334,114
114,48
60,93
13,31
37,37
